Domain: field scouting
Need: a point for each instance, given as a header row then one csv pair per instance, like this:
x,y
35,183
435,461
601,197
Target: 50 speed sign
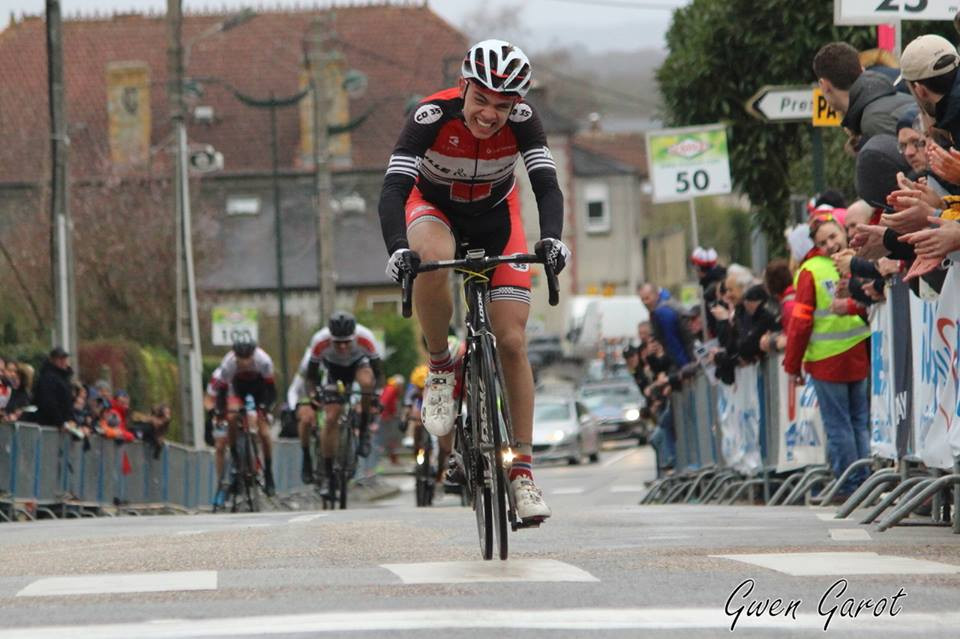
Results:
x,y
688,162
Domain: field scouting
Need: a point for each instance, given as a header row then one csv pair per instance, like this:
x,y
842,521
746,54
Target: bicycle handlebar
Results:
x,y
478,264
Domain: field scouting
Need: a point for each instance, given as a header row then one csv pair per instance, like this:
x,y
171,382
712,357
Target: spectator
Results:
x,y
666,323
5,389
152,428
833,351
659,369
82,415
53,394
929,67
799,242
121,404
857,213
391,401
19,377
830,199
911,142
709,274
779,283
868,101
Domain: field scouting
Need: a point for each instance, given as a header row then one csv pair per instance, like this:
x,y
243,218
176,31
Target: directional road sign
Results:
x,y
782,104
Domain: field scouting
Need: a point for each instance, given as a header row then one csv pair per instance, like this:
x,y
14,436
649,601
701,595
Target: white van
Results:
x,y
594,319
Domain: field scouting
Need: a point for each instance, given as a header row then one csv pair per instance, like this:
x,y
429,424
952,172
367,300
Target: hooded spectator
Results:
x,y
868,100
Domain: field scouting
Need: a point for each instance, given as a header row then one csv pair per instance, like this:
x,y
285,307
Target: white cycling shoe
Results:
x,y
439,407
529,499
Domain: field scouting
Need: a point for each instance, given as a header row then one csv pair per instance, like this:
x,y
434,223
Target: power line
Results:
x,y
625,4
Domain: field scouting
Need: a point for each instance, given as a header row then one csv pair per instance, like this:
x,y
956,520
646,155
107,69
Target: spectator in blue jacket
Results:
x,y
667,322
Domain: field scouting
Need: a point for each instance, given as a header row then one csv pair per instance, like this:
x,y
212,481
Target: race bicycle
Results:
x,y
346,459
243,481
483,441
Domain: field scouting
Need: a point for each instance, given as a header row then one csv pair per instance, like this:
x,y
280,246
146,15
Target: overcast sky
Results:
x,y
600,25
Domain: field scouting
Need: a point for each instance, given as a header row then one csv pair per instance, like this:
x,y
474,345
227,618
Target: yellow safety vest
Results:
x,y
832,334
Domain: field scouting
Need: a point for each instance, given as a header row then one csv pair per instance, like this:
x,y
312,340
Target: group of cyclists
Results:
x,y
449,185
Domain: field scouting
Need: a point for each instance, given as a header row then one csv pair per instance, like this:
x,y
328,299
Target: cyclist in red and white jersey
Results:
x,y
245,370
451,180
347,352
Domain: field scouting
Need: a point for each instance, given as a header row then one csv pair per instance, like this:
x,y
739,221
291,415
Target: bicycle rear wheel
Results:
x,y
347,459
491,413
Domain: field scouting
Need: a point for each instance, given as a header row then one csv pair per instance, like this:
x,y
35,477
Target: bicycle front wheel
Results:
x,y
493,429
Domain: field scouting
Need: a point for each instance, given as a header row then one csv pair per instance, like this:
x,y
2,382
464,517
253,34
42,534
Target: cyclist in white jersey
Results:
x,y
346,352
245,370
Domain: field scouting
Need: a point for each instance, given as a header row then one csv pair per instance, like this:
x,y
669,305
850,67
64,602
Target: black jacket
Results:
x,y
948,112
53,395
875,106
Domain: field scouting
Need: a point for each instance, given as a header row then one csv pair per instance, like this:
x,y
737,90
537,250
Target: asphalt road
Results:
x,y
602,565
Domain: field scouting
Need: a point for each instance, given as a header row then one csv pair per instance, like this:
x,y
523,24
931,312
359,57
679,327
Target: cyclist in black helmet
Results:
x,y
245,370
348,352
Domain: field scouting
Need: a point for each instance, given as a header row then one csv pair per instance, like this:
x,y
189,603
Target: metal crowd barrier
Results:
x,y
46,472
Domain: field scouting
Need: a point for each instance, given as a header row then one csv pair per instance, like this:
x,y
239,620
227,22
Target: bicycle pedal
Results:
x,y
531,522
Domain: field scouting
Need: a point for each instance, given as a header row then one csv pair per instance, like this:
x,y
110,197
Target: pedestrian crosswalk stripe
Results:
x,y
302,519
583,620
109,584
829,517
577,490
849,534
451,572
803,564
627,488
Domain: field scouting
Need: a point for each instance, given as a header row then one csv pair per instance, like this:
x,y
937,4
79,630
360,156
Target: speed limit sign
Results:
x,y
688,162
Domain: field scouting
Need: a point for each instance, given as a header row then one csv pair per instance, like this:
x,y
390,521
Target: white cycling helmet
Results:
x,y
498,66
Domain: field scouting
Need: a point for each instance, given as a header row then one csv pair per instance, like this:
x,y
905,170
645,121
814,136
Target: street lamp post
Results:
x,y
189,359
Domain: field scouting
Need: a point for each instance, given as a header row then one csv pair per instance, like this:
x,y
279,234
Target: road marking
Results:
x,y
576,619
184,533
628,488
568,491
849,534
257,525
455,572
618,457
805,564
104,584
305,518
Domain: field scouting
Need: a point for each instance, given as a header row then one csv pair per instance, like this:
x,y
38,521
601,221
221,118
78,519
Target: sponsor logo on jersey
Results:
x,y
455,140
521,113
427,114
523,268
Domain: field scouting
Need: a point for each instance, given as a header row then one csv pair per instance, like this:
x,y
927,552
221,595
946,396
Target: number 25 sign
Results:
x,y
881,11
688,162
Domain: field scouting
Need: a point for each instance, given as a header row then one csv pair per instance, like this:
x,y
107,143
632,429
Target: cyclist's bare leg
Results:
x,y
306,422
263,430
444,447
509,321
219,455
329,439
432,240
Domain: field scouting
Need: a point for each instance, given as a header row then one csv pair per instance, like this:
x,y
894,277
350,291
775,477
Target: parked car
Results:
x,y
617,404
544,350
564,429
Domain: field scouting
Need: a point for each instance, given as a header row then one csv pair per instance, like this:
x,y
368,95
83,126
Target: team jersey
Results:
x,y
321,350
463,175
257,380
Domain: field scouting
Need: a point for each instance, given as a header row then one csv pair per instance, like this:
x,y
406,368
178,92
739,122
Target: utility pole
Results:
x,y
61,226
189,362
319,57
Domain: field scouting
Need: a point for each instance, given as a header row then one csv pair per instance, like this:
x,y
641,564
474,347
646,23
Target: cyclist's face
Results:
x,y
485,112
244,363
342,347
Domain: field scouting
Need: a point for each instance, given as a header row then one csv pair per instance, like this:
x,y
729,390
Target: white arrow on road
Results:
x,y
782,104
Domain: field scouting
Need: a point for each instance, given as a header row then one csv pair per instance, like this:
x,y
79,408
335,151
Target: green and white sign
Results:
x,y
231,324
688,162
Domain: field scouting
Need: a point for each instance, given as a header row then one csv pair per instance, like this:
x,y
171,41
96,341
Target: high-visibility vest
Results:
x,y
832,334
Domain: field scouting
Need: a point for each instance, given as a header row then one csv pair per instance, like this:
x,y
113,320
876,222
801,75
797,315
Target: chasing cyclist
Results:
x,y
450,180
348,352
245,370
